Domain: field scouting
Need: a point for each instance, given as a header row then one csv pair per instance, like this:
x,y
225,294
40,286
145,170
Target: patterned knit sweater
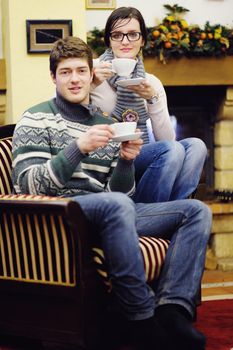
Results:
x,y
47,160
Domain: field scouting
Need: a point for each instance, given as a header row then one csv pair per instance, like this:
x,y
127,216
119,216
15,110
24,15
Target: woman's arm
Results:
x,y
159,114
157,108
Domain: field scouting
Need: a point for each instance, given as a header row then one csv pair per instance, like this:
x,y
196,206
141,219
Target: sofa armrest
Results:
x,y
43,240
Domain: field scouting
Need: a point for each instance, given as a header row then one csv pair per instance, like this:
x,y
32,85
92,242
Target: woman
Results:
x,y
166,169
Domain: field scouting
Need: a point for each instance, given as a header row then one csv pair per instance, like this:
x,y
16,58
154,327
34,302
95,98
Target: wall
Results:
x,y
28,80
0,29
27,85
215,11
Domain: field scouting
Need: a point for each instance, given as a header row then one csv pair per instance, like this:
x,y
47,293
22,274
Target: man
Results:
x,y
63,147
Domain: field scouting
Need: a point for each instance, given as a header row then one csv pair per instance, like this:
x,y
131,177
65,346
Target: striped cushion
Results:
x,y
153,252
32,197
5,165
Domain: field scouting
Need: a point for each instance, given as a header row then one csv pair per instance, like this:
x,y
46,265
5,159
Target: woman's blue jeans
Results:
x,y
118,221
168,170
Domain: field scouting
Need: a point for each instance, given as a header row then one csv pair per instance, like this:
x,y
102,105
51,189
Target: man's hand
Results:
x,y
95,137
131,149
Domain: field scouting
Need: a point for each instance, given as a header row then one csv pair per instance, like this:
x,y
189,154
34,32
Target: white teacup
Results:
x,y
123,66
124,128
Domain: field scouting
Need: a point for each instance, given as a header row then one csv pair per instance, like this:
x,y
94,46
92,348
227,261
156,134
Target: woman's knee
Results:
x,y
176,153
196,145
171,150
203,213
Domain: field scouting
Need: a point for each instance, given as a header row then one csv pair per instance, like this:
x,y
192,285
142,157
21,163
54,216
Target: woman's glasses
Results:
x,y
132,36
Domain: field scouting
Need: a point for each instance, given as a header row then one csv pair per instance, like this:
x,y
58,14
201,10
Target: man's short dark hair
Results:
x,y
67,48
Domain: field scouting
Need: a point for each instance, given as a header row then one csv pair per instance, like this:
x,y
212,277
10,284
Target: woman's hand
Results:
x,y
102,71
144,89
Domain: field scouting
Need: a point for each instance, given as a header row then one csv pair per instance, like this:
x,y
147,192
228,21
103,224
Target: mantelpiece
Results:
x,y
192,71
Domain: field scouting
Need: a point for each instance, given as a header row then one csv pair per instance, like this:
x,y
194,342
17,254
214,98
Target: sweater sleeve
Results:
x,y
35,169
158,111
122,179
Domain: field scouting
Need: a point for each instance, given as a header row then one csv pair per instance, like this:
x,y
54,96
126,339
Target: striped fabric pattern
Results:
x,y
29,197
39,248
36,248
153,253
126,99
33,248
5,165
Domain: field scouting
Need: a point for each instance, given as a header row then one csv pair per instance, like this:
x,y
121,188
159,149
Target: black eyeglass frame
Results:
x,y
125,34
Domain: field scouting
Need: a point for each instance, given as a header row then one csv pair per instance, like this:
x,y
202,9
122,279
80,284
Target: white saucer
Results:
x,y
128,137
128,82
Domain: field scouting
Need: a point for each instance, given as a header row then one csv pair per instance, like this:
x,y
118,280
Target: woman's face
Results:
x,y
126,48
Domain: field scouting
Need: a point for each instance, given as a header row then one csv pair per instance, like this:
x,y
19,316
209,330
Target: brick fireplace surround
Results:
x,y
213,77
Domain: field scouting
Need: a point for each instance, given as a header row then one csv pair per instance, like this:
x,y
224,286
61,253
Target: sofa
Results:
x,y
54,285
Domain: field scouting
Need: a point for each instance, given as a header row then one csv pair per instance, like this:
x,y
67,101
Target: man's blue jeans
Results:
x,y
168,170
118,221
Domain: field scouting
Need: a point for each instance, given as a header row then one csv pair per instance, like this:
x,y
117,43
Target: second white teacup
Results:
x,y
124,128
123,66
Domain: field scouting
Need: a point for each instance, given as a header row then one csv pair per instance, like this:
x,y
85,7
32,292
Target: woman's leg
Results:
x,y
156,170
189,177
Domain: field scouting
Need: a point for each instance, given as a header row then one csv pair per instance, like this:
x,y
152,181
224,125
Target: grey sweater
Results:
x,y
47,160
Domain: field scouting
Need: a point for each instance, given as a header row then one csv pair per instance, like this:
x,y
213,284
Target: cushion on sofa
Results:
x,y
153,253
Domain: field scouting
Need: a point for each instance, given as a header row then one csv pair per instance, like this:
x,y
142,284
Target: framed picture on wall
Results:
x,y
41,34
100,4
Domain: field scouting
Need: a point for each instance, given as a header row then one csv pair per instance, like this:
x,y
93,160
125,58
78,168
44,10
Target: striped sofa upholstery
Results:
x,y
35,247
39,247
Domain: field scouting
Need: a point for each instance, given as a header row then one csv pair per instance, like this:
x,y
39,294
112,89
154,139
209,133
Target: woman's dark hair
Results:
x,y
120,14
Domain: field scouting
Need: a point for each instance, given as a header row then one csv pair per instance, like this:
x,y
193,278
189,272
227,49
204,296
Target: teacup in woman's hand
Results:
x,y
123,66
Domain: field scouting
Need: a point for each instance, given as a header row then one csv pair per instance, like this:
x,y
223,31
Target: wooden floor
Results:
x,y
215,285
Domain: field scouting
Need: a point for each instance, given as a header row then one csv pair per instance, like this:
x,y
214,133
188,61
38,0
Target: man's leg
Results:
x,y
187,224
156,170
113,217
189,177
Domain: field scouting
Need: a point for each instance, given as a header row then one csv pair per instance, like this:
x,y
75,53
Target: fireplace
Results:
x,y
200,96
195,109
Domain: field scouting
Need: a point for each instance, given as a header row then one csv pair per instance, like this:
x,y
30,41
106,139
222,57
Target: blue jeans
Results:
x,y
118,221
168,170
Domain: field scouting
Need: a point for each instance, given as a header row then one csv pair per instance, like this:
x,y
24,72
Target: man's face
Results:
x,y
73,79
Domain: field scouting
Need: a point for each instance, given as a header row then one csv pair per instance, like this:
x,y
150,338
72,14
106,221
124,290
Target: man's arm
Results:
x,y
37,166
123,177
